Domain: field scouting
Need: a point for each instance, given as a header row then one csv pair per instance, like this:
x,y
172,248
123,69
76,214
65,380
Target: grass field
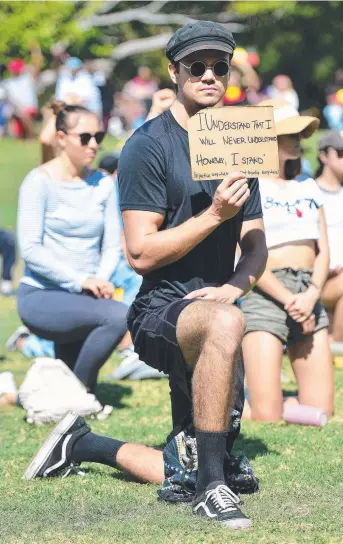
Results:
x,y
300,468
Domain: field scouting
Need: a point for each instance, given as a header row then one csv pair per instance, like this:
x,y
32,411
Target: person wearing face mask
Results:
x,y
67,238
330,181
285,305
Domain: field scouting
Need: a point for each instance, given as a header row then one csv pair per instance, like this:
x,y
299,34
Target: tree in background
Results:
x,y
300,39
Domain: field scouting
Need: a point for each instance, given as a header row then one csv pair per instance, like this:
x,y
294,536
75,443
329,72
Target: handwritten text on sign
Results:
x,y
231,139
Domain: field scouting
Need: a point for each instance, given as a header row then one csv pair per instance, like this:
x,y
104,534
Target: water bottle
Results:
x,y
305,415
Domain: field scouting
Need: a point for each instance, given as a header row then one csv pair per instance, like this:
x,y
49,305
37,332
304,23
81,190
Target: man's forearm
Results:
x,y
168,246
249,269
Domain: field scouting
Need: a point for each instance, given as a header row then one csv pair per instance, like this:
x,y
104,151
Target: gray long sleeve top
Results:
x,y
67,232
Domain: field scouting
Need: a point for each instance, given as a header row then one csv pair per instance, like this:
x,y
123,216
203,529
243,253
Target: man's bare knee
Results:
x,y
209,322
227,324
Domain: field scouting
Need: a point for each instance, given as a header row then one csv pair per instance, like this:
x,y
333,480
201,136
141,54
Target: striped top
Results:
x,y
67,232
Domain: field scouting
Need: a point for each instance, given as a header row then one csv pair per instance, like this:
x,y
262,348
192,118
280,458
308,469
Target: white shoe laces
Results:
x,y
224,499
73,468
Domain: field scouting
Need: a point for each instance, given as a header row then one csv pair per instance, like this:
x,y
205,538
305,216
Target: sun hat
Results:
x,y
16,66
289,121
331,138
201,35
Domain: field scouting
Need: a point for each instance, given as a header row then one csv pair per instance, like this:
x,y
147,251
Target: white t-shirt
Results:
x,y
290,211
22,91
81,85
333,209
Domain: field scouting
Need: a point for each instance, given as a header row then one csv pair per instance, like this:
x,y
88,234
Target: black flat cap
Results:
x,y
199,36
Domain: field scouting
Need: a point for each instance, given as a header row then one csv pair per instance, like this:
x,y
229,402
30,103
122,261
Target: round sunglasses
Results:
x,y
85,137
197,69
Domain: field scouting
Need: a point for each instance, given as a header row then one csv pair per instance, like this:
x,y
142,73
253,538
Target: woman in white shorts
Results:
x,y
285,308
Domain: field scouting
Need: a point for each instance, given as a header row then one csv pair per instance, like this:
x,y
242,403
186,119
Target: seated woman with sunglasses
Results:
x,y
285,307
68,239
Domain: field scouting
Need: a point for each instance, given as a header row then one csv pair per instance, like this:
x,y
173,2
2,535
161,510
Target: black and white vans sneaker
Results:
x,y
54,456
219,503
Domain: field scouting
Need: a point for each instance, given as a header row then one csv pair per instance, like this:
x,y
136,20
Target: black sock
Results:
x,y
96,449
211,452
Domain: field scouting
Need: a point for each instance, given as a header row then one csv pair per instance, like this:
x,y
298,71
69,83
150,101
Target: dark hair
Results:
x,y
320,168
109,163
292,168
177,68
62,116
56,105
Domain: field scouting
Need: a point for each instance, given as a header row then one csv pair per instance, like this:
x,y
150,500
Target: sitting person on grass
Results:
x,y
69,238
330,181
285,306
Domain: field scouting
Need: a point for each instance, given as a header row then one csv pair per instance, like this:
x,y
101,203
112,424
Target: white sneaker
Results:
x,y
7,383
6,288
20,332
130,362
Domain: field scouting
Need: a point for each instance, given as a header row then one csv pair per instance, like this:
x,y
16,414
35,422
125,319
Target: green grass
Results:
x,y
300,468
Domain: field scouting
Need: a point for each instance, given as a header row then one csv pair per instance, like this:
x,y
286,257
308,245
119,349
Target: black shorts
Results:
x,y
154,335
153,332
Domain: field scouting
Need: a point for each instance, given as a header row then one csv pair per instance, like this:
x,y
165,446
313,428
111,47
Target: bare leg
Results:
x,y
8,399
126,341
332,298
262,355
337,322
312,365
27,123
209,335
142,462
246,410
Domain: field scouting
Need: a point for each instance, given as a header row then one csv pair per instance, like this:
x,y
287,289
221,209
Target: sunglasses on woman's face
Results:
x,y
85,137
198,68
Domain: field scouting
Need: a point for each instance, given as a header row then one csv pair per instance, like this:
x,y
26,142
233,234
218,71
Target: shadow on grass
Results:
x,y
96,470
252,447
113,394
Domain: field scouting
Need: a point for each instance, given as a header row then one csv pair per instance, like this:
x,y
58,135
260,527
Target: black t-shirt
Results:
x,y
155,175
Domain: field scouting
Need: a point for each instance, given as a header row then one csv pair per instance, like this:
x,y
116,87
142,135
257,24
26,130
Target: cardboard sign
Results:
x,y
233,139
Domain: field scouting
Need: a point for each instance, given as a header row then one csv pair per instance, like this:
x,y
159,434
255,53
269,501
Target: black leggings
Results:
x,y
7,252
85,329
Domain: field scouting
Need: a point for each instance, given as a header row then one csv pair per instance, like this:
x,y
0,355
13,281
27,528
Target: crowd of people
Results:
x,y
190,281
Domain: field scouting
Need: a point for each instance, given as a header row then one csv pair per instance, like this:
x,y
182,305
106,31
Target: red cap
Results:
x,y
16,66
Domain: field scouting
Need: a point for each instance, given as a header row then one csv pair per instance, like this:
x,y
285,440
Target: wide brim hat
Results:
x,y
289,121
